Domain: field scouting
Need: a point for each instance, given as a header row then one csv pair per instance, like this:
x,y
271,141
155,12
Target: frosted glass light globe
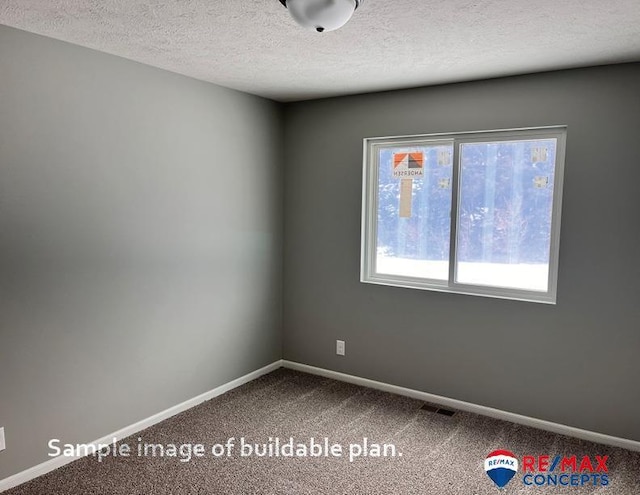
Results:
x,y
321,15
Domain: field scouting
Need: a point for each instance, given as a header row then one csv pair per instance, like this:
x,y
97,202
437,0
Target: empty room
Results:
x,y
319,247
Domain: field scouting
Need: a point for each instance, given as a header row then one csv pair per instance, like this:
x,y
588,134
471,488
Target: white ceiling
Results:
x,y
254,46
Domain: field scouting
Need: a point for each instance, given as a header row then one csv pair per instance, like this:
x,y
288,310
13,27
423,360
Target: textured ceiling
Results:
x,y
254,46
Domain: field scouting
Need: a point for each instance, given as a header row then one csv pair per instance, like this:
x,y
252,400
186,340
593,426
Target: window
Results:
x,y
474,213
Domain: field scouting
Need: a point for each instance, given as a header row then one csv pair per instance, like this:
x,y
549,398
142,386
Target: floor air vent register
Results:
x,y
437,410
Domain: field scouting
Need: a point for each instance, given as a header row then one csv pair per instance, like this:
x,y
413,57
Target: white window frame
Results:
x,y
369,235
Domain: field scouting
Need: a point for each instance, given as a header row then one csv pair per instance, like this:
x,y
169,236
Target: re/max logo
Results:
x,y
502,462
543,464
565,471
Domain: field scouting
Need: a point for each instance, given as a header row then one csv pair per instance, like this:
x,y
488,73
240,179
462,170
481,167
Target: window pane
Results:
x,y
414,208
504,214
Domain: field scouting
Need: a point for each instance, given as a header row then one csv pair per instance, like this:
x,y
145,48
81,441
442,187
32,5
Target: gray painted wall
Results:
x,y
140,241
574,363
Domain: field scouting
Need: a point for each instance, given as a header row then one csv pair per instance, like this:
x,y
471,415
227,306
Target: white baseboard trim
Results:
x,y
469,407
57,462
591,436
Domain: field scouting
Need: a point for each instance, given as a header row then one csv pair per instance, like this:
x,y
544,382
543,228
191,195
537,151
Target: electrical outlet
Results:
x,y
2,444
340,347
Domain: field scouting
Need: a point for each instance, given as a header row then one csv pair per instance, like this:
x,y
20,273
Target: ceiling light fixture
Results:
x,y
321,15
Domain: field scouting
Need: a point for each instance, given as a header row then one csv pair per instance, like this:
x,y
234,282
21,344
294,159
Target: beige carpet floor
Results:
x,y
440,454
